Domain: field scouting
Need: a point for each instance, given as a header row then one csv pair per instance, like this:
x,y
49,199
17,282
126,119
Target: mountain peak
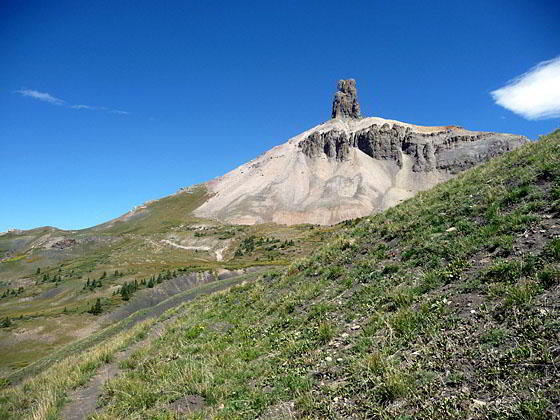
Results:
x,y
345,103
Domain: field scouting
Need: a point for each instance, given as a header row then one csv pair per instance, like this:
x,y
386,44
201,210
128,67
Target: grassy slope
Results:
x,y
445,306
46,316
124,324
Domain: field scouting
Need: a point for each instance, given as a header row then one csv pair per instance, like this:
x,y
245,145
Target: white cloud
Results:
x,y
47,97
92,108
534,95
42,96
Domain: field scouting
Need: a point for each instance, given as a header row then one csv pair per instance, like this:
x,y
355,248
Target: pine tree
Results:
x,y
151,282
38,270
96,309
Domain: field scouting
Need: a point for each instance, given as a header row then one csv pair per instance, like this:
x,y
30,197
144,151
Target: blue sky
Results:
x,y
107,104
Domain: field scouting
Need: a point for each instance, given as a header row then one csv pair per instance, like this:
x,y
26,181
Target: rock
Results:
x,y
451,150
345,103
64,243
479,403
328,359
333,144
451,229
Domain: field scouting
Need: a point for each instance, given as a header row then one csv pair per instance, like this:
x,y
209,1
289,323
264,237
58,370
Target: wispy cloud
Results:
x,y
47,97
92,108
41,96
534,95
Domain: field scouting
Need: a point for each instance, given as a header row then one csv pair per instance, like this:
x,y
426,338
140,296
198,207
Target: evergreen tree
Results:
x,y
96,309
151,282
6,322
38,270
103,275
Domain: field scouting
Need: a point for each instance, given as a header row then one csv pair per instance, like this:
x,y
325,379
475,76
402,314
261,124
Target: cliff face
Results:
x,y
348,167
451,149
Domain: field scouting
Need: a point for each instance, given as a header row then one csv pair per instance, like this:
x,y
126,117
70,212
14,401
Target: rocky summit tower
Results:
x,y
345,103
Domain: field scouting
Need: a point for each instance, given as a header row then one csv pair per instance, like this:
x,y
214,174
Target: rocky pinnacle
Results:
x,y
345,103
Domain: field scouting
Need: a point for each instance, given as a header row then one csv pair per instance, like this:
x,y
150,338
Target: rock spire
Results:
x,y
345,103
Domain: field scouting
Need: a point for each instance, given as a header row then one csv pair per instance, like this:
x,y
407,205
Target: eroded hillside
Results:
x,y
347,167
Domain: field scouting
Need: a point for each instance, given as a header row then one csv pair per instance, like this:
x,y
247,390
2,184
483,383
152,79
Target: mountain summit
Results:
x,y
347,167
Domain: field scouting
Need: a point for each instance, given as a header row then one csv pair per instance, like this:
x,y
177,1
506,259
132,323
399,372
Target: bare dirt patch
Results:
x,y
188,404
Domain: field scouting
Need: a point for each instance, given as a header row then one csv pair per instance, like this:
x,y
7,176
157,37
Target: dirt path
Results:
x,y
190,248
84,400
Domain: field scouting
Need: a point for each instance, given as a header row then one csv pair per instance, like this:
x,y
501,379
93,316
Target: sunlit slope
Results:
x,y
445,306
347,168
44,272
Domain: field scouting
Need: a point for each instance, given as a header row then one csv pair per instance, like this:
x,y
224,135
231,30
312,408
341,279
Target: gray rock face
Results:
x,y
451,149
334,144
345,103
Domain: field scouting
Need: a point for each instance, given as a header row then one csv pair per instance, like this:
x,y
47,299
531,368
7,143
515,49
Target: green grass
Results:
x,y
133,246
409,344
105,334
398,316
